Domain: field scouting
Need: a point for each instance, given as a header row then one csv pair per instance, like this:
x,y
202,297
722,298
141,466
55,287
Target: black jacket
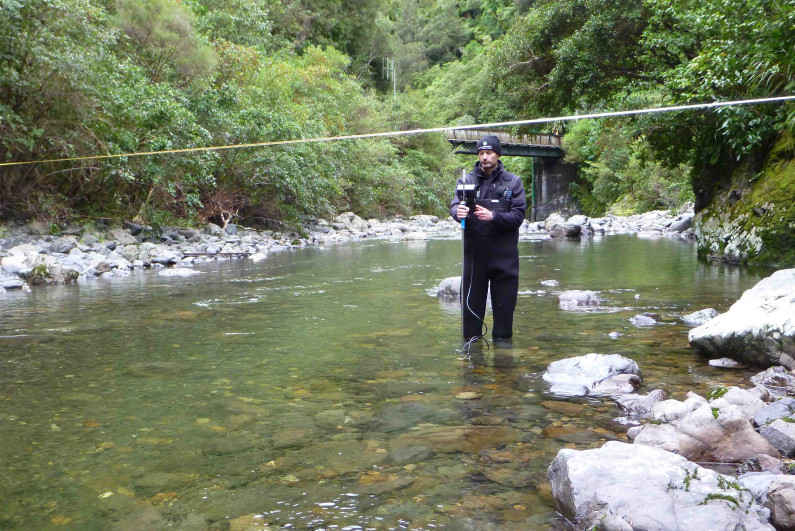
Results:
x,y
503,194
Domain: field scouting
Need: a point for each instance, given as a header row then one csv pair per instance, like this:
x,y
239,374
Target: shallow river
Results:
x,y
326,389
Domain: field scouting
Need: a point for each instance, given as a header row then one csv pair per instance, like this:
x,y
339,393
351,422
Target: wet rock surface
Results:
x,y
593,375
759,329
648,488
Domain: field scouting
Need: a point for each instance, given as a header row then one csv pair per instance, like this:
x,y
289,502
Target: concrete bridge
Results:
x,y
549,191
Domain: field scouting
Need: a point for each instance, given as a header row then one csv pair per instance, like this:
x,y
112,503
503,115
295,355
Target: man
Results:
x,y
491,235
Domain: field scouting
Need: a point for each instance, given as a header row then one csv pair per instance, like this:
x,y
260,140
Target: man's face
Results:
x,y
488,159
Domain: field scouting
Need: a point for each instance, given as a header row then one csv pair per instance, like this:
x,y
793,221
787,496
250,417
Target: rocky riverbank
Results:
x,y
38,253
659,481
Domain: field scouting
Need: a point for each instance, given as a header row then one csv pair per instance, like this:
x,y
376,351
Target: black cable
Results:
x,y
468,345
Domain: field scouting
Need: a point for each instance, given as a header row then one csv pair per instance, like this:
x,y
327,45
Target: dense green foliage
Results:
x,y
89,77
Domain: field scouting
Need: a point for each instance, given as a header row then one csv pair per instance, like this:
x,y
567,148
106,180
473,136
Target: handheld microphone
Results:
x,y
466,192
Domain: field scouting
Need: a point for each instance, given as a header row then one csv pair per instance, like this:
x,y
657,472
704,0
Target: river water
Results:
x,y
326,389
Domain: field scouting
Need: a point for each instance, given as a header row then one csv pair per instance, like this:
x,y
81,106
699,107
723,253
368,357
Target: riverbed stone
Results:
x,y
651,489
718,431
727,363
777,380
776,410
63,245
449,289
700,317
121,236
781,434
578,300
640,406
593,374
415,236
682,222
642,320
455,439
759,329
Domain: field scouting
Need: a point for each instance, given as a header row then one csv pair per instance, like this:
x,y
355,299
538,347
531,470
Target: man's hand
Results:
x,y
483,213
462,212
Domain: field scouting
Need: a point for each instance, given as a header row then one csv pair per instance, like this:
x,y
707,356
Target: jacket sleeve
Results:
x,y
456,201
513,220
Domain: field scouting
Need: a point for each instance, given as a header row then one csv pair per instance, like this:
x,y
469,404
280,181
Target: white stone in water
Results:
x,y
700,317
614,335
259,256
583,374
179,272
549,283
727,363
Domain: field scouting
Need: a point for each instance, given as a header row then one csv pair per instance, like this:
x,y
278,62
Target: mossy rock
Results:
x,y
753,222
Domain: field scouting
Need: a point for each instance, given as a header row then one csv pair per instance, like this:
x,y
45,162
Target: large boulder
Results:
x,y
638,487
121,236
593,375
718,431
759,329
349,221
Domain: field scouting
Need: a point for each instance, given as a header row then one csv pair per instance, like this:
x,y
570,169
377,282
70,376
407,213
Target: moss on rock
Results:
x,y
753,221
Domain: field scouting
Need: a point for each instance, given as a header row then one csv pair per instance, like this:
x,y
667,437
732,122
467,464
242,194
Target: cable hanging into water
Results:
x,y
417,131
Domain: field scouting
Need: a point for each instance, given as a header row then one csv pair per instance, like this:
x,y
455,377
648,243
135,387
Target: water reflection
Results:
x,y
324,388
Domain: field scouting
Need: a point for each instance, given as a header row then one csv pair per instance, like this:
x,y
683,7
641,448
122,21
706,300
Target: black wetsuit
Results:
x,y
491,254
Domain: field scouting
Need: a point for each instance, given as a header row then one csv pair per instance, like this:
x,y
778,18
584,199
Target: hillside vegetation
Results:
x,y
97,77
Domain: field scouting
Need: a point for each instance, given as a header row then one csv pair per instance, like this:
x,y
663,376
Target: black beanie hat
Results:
x,y
490,142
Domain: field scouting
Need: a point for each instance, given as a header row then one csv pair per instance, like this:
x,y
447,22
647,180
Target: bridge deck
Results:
x,y
537,145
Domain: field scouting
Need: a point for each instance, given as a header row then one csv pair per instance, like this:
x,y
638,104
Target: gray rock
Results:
x,y
213,229
650,488
578,300
11,282
774,411
231,229
165,258
449,289
682,223
642,320
700,317
781,502
592,374
572,230
134,228
640,406
38,228
781,434
90,239
777,380
63,245
553,220
759,329
121,236
719,431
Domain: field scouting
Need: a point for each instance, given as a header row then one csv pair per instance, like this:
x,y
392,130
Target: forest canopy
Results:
x,y
98,77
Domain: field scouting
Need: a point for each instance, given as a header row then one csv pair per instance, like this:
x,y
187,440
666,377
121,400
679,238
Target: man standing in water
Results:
x,y
491,236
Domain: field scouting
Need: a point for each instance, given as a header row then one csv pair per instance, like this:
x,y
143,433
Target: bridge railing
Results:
x,y
473,135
